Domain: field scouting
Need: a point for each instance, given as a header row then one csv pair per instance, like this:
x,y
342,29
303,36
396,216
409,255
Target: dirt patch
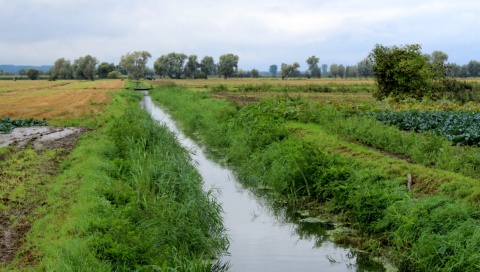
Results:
x,y
43,137
24,179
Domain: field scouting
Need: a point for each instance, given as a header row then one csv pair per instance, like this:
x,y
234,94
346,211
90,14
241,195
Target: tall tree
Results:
x,y
438,60
254,73
104,68
333,71
313,66
135,63
287,69
273,70
401,72
227,65
171,65
365,68
33,74
85,67
22,72
473,68
62,69
207,65
351,71
191,67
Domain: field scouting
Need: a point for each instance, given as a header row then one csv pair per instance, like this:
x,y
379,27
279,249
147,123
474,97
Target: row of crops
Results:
x,y
461,128
7,124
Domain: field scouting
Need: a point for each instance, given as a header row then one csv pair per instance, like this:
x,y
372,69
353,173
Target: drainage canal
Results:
x,y
264,237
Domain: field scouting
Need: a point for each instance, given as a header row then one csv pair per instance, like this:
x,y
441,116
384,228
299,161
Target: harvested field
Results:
x,y
48,99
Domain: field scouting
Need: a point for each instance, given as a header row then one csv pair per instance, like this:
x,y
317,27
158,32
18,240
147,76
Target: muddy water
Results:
x,y
263,237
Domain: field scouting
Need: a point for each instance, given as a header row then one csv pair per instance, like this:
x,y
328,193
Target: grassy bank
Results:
x,y
304,152
127,198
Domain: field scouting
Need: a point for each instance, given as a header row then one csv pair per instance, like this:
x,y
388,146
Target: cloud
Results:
x,y
260,32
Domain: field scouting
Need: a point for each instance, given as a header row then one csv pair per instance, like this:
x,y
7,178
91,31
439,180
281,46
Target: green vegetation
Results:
x,y
306,153
458,127
127,199
7,124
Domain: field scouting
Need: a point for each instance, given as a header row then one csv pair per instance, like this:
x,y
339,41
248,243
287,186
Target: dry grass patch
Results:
x,y
48,99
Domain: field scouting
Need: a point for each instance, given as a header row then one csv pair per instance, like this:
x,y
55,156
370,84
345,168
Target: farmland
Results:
x,y
89,205
323,146
414,195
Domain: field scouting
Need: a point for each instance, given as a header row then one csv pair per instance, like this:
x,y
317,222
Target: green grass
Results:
x,y
273,145
127,199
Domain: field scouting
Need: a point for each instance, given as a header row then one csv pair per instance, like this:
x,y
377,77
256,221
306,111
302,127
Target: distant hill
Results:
x,y
9,68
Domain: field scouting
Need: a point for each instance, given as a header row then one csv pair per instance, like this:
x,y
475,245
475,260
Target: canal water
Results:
x,y
263,237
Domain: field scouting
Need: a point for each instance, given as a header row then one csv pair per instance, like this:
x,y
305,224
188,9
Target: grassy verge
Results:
x,y
127,199
433,227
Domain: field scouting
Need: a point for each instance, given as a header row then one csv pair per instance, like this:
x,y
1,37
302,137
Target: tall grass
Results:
x,y
129,199
431,233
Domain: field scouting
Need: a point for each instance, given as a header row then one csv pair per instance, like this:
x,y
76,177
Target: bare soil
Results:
x,y
42,136
16,217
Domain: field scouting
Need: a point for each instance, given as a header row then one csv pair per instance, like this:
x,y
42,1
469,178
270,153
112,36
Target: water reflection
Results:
x,y
263,236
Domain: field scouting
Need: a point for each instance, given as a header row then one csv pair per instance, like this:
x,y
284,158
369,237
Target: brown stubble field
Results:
x,y
54,99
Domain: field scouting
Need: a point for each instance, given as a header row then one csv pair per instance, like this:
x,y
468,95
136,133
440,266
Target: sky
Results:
x,y
260,32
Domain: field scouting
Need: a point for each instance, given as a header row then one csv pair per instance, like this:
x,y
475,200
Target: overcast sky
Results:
x,y
260,32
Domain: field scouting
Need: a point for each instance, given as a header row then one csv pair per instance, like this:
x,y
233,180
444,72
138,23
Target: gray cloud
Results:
x,y
260,32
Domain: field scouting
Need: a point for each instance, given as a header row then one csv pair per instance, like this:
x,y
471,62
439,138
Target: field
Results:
x,y
401,178
57,100
413,194
93,204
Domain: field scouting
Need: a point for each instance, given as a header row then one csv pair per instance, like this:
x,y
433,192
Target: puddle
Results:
x,y
263,237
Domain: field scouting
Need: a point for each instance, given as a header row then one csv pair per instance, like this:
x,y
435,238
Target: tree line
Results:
x,y
179,65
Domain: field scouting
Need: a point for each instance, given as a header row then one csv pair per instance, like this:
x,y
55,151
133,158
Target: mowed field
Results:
x,y
54,99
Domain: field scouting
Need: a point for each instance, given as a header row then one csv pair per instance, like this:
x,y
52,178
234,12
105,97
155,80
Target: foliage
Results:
x,y
62,69
365,68
313,66
273,70
208,66
7,125
287,69
459,127
104,69
254,73
171,65
84,67
114,75
191,67
337,70
401,72
227,65
135,63
129,200
427,233
33,74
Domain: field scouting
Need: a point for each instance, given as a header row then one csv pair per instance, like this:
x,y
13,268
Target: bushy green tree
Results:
x,y
104,68
254,73
62,69
114,75
85,67
273,70
135,63
401,72
365,68
473,68
351,71
208,66
33,74
287,69
227,65
314,70
171,65
191,67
